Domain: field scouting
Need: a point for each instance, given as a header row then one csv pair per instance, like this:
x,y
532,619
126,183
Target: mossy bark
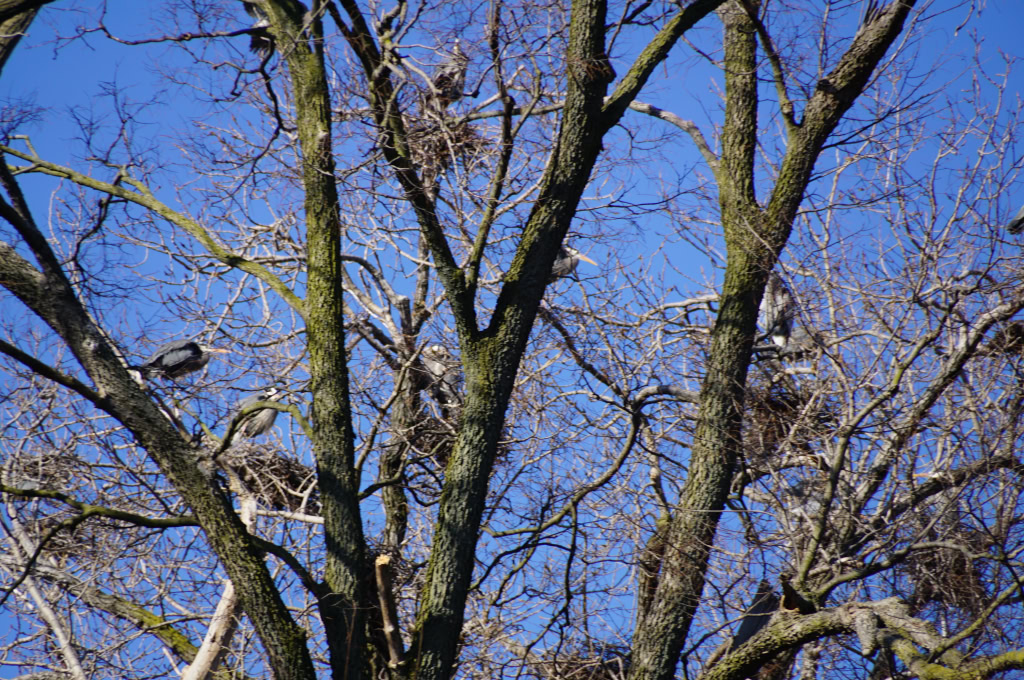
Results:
x,y
754,238
347,572
48,293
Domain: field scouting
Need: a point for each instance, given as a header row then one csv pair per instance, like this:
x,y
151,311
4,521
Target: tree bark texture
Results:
x,y
754,237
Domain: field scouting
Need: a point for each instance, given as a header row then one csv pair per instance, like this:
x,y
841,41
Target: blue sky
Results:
x,y
72,77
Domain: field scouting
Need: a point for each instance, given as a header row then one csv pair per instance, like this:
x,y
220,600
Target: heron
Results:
x,y
778,311
450,77
260,40
1016,225
765,603
176,358
444,372
260,421
566,262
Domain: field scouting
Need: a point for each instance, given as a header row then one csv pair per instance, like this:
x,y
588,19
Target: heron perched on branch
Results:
x,y
260,40
778,311
446,380
175,359
566,262
1016,225
261,420
450,77
757,614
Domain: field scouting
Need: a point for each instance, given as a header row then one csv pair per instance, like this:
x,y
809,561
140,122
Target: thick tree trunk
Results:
x,y
348,573
754,238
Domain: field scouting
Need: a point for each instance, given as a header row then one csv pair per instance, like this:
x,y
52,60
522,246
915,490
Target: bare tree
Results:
x,y
486,463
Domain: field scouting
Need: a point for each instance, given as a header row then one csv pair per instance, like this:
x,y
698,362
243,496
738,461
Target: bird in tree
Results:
x,y
260,40
175,359
566,262
260,421
778,311
1016,225
446,380
757,614
450,77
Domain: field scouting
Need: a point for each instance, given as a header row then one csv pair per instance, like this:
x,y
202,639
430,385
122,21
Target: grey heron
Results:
x,y
1016,225
446,381
765,603
778,311
450,77
566,262
260,40
261,420
176,358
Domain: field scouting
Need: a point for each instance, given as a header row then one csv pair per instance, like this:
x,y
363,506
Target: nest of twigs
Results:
x,y
434,146
432,439
41,518
598,662
52,470
776,420
276,481
948,576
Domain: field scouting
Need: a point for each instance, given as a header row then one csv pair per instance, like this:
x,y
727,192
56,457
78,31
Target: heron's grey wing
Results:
x,y
565,264
757,614
450,76
166,349
249,401
1016,225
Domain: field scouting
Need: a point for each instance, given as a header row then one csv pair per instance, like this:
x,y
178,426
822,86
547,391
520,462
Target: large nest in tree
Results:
x,y
277,481
948,576
42,518
779,421
1008,339
434,146
432,438
594,661
51,470
430,444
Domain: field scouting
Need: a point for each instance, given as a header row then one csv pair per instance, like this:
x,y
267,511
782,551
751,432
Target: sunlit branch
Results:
x,y
653,54
142,618
51,373
88,510
584,491
785,104
143,197
844,440
687,126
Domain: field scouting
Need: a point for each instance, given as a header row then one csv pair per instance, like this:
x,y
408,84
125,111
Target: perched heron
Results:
x,y
1016,225
179,357
765,603
778,311
450,77
261,420
566,262
260,40
444,371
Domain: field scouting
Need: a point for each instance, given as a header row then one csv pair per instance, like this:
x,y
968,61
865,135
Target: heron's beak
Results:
x,y
587,259
215,350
